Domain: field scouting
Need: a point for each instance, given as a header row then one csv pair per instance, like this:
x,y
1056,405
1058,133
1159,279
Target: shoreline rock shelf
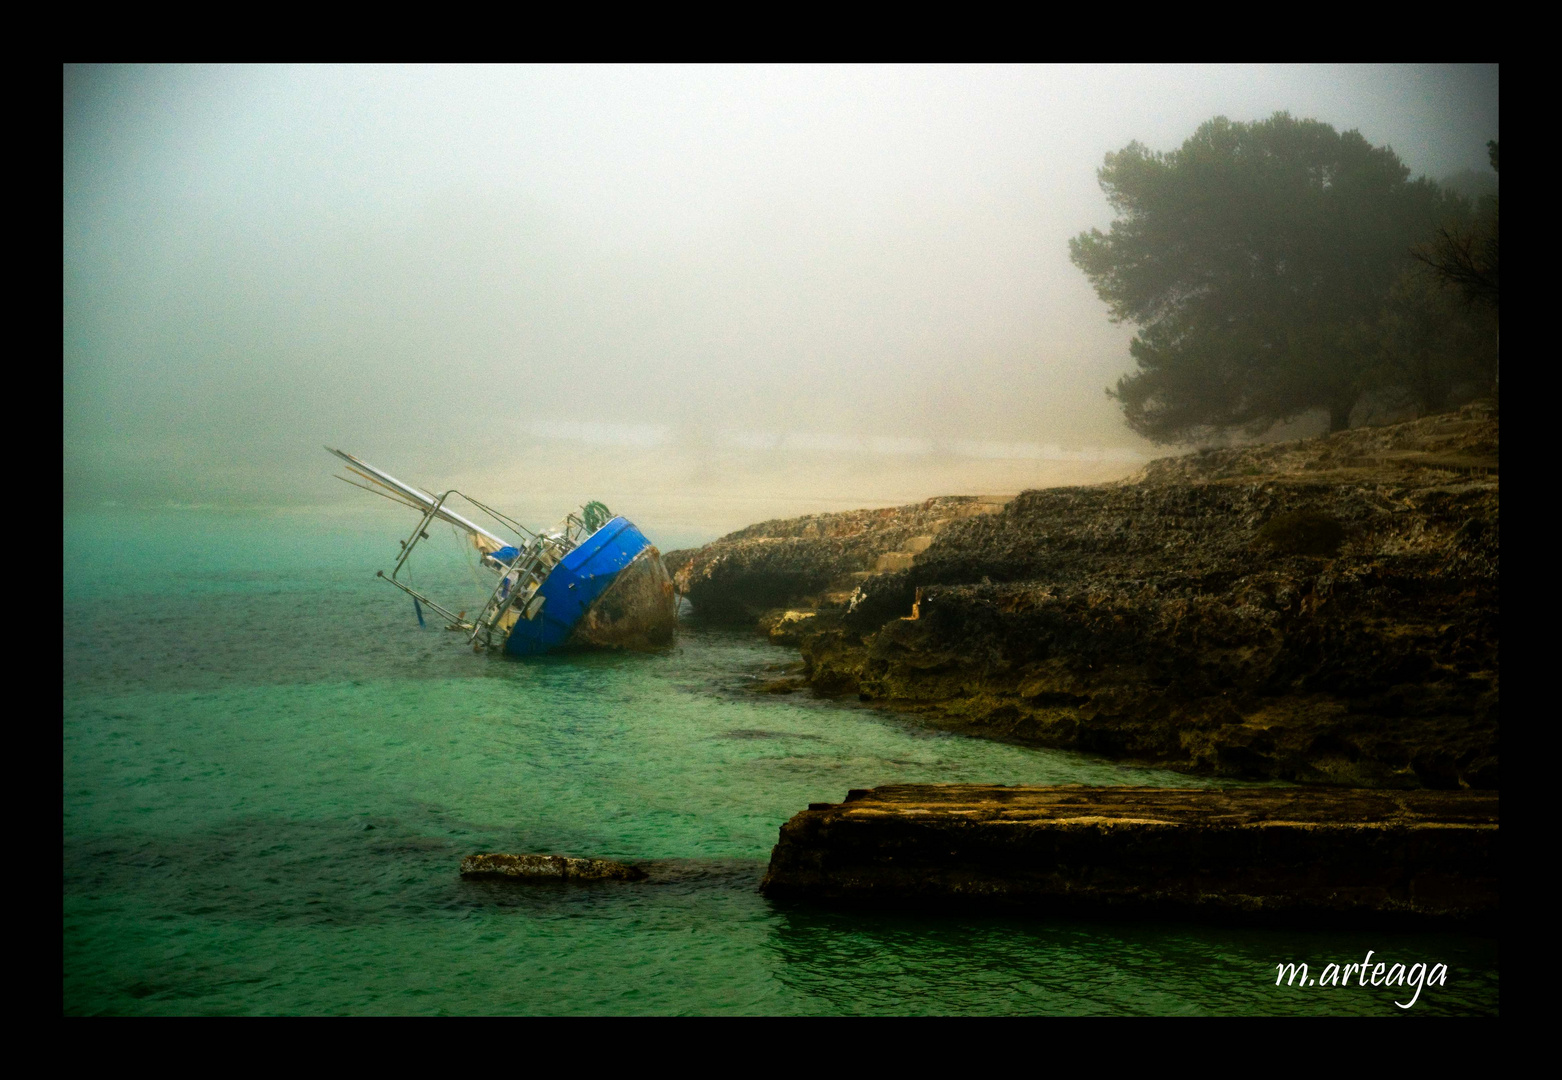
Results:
x,y
1323,611
1263,856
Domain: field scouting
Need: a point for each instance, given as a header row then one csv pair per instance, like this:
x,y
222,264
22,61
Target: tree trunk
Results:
x,y
1339,414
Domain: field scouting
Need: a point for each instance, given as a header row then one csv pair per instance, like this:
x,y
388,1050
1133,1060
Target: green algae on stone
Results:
x,y
547,868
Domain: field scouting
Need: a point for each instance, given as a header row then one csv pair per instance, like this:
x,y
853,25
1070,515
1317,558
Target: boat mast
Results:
x,y
423,499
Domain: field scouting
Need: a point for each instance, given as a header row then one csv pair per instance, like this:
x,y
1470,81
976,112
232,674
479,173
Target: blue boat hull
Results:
x,y
581,605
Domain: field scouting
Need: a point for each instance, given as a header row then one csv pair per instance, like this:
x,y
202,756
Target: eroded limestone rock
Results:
x,y
1251,855
814,560
1321,611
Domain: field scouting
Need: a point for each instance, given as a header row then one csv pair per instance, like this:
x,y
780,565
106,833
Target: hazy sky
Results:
x,y
666,283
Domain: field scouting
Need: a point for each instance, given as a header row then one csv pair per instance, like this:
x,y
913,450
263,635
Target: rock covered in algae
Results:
x,y
547,868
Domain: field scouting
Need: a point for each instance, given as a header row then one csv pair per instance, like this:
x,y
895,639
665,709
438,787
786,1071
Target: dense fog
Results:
x,y
706,295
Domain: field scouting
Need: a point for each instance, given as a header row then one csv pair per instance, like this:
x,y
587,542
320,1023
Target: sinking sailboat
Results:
x,y
592,580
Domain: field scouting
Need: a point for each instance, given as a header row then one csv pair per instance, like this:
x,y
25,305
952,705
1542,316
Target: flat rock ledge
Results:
x,y
547,868
1264,856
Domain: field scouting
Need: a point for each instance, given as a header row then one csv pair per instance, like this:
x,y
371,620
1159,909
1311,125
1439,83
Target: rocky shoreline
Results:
x,y
1323,611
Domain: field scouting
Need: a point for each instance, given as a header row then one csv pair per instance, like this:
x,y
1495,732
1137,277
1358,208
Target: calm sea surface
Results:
x,y
272,773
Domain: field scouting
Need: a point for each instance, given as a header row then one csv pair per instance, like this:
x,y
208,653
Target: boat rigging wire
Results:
x,y
381,494
496,515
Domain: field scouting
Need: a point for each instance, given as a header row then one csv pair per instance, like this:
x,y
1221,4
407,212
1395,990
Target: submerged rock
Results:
x,y
1278,856
547,868
786,685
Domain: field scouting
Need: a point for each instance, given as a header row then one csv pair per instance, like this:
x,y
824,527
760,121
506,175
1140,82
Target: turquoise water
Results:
x,y
271,774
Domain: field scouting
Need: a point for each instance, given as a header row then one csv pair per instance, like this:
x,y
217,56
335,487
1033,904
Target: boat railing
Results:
x,y
527,580
518,581
418,534
529,569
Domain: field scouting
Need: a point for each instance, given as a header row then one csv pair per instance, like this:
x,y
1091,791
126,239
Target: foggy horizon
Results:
x,y
696,293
